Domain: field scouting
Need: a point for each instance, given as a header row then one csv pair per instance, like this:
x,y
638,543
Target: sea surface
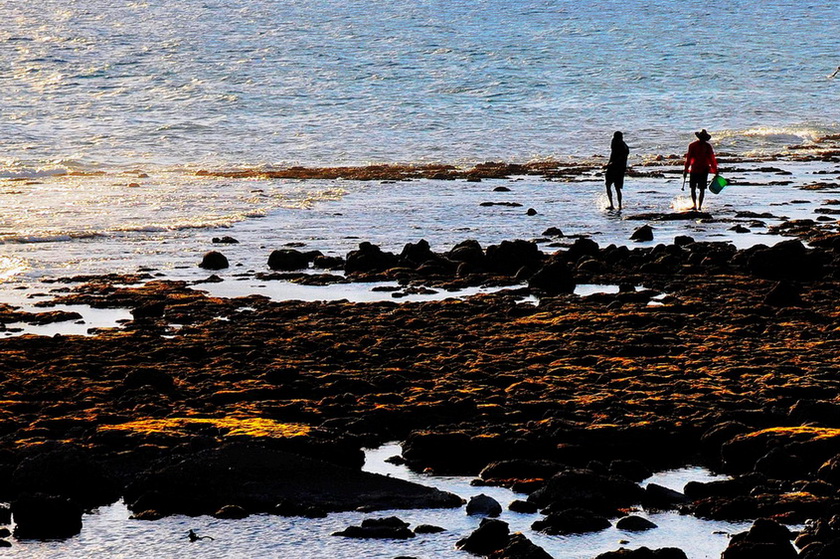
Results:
x,y
109,109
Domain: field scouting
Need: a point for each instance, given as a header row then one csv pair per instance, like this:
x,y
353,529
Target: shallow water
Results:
x,y
334,216
109,531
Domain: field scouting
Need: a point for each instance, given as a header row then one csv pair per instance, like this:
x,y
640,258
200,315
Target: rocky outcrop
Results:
x,y
44,517
256,479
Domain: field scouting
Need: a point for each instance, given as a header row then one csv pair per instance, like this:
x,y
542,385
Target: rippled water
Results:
x,y
219,82
110,532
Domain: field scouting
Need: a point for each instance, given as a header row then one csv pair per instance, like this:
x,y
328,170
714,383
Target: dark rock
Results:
x,y
414,255
5,514
523,507
152,310
520,547
662,498
830,470
583,488
155,378
482,505
428,529
491,535
766,539
379,528
509,256
258,478
369,258
635,524
785,260
571,521
553,278
149,515
816,411
531,212
214,260
231,512
553,232
66,471
644,553
455,452
468,252
781,464
821,550
634,470
520,469
582,247
5,532
287,259
46,517
643,233
784,294
712,440
726,508
4,543
328,262
226,240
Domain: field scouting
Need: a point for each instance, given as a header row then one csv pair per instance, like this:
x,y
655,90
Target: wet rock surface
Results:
x,y
724,370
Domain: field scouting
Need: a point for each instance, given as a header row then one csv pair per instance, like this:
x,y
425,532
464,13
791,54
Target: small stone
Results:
x,y
214,260
635,524
642,234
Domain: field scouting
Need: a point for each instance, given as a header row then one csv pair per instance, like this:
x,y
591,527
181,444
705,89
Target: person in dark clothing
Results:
x,y
616,167
699,162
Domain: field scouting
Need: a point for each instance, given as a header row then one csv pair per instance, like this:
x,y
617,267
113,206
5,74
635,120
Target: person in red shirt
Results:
x,y
699,162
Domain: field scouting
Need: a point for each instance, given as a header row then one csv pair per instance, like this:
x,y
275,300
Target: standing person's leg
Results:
x,y
619,184
692,183
609,190
702,179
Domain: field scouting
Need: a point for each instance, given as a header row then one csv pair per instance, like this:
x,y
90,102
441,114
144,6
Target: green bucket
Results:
x,y
717,184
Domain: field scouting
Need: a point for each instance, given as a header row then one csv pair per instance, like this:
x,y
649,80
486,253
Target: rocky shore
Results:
x,y
706,355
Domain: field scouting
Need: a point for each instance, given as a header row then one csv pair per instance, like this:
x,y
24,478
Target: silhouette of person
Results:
x,y
699,162
616,167
193,537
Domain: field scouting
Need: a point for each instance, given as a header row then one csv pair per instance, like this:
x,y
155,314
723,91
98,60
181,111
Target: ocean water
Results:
x,y
98,84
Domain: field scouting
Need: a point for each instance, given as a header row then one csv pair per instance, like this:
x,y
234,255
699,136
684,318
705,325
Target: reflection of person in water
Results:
x,y
616,167
699,162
